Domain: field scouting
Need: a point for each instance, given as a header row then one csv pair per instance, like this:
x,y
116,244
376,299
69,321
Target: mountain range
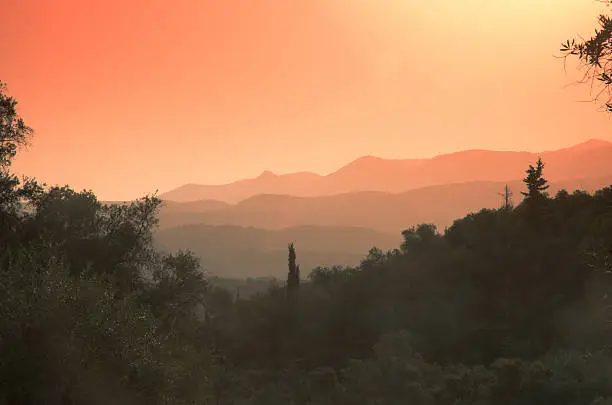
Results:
x,y
242,229
379,211
588,159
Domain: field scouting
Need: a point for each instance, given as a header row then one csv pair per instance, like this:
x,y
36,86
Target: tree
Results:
x,y
291,312
595,54
293,276
13,130
507,195
14,133
85,300
415,238
536,183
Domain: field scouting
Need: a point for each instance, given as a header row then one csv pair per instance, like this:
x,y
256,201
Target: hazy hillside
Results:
x,y
195,206
231,251
384,212
267,182
589,159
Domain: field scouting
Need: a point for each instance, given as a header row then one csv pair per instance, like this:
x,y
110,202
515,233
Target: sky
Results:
x,y
130,97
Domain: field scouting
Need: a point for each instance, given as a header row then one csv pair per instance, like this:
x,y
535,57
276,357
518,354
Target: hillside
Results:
x,y
384,212
232,251
588,159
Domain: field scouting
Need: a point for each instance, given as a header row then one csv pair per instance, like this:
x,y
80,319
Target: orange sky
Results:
x,y
127,97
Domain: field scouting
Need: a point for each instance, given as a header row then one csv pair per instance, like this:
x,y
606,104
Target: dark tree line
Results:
x,y
89,312
506,306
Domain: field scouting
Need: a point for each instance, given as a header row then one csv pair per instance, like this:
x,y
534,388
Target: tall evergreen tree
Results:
x,y
535,181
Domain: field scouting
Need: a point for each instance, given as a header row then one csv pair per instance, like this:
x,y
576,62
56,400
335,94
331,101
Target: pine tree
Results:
x,y
536,183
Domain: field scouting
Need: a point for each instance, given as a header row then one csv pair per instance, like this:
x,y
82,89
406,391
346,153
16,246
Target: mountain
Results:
x,y
267,182
195,206
585,160
380,211
233,251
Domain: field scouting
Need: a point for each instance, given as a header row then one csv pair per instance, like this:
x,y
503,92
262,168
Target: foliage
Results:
x,y
535,182
595,55
293,276
13,130
492,301
89,311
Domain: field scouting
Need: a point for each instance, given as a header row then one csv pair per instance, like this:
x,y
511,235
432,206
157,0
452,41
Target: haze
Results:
x,y
358,202
146,95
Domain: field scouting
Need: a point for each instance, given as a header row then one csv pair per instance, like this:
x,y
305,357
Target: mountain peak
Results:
x,y
266,174
592,143
367,158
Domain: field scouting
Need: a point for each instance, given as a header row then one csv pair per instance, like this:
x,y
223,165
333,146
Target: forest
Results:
x,y
505,306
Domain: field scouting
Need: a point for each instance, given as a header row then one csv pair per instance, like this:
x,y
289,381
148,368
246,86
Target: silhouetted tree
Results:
x,y
13,130
535,181
507,195
89,311
293,276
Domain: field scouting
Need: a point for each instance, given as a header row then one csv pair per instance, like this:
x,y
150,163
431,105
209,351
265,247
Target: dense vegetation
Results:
x,y
507,306
89,312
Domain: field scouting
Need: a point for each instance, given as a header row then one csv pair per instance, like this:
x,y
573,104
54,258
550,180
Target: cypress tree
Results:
x,y
293,276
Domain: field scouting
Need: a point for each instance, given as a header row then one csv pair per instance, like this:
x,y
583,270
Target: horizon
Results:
x,y
274,173
211,93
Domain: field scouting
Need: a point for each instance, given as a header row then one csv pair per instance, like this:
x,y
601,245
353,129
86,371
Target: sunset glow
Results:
x,y
145,95
305,202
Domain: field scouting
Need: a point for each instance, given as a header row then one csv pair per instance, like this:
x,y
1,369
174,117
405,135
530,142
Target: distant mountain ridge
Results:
x,y
376,210
588,159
